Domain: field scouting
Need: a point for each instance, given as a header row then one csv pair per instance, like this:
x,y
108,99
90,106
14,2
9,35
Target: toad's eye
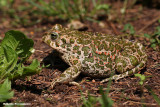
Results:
x,y
54,35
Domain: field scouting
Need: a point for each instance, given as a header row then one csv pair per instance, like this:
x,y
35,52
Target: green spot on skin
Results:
x,y
48,41
84,61
97,65
120,42
93,48
87,67
136,69
76,48
86,50
69,72
69,45
133,60
108,66
143,48
79,41
130,72
63,40
104,45
75,69
63,46
136,46
101,62
71,41
109,60
91,60
86,42
79,52
102,67
139,52
119,69
111,47
97,72
118,47
57,44
97,43
57,27
43,38
101,47
103,57
75,62
63,75
68,49
141,65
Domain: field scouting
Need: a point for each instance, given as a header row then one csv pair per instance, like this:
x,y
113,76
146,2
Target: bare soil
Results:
x,y
125,92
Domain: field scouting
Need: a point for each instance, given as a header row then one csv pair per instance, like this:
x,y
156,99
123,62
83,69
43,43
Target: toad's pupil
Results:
x,y
53,36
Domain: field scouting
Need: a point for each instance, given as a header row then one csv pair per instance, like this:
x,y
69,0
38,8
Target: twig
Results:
x,y
113,27
153,104
150,23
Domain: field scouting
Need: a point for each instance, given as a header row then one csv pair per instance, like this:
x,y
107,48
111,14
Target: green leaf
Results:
x,y
130,28
33,68
137,75
152,40
105,100
147,35
5,92
21,71
18,42
103,7
90,101
142,78
8,60
153,45
158,20
3,3
158,29
156,98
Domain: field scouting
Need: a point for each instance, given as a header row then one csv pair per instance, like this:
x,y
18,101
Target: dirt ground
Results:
x,y
125,92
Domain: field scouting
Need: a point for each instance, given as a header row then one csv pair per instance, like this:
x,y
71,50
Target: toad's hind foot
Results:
x,y
71,83
125,74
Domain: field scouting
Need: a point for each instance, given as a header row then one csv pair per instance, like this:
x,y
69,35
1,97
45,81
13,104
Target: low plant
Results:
x,y
142,86
69,9
5,92
142,78
128,28
15,49
154,39
92,101
103,100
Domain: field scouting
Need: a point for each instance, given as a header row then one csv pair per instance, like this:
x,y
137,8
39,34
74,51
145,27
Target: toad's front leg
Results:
x,y
70,73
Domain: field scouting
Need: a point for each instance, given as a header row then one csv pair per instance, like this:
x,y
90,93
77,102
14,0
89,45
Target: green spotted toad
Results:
x,y
94,54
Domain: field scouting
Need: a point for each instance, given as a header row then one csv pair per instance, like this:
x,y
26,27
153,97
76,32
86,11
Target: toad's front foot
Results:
x,y
68,75
59,81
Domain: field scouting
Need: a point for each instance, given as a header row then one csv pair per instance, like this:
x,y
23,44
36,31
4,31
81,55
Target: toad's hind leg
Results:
x,y
70,73
127,73
134,60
